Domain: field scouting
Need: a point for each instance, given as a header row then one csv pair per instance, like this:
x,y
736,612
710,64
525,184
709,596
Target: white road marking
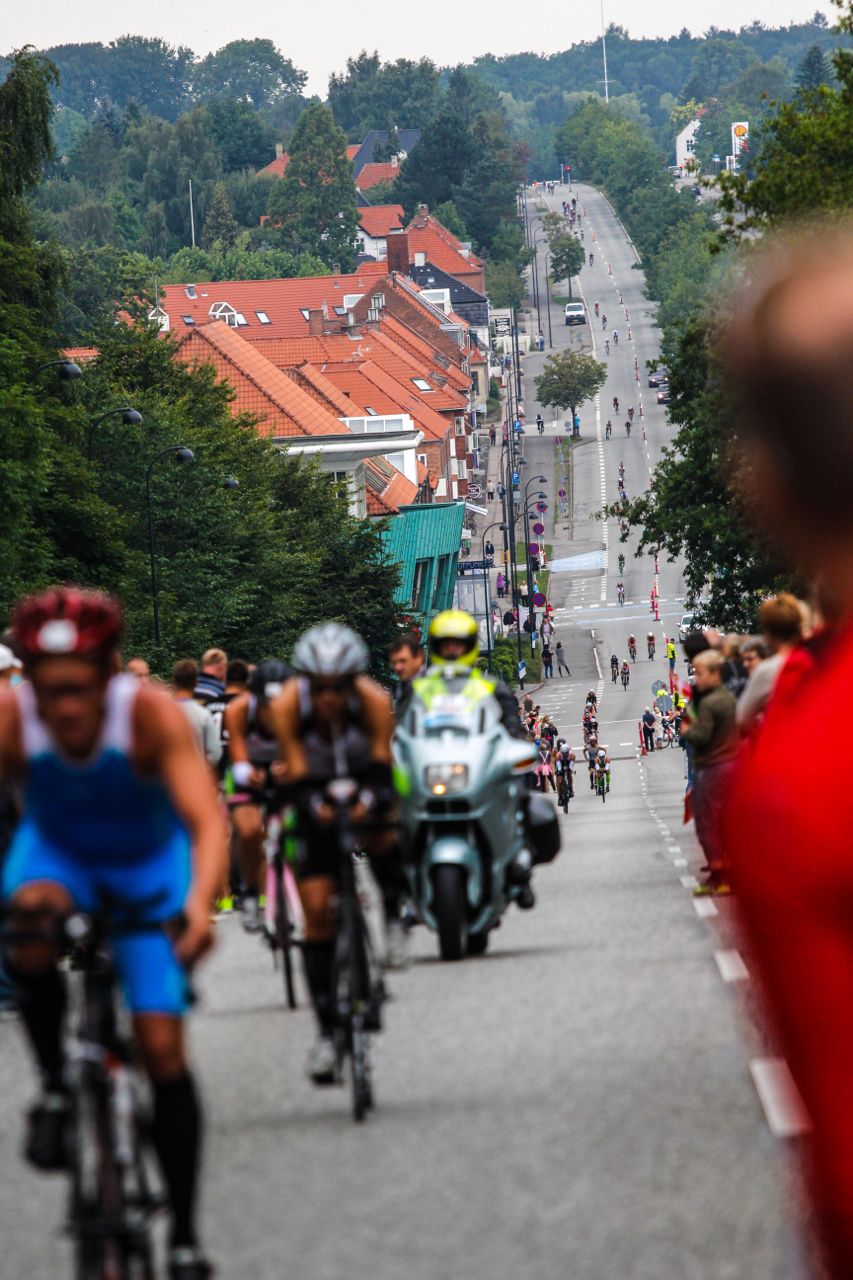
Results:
x,y
704,908
783,1107
731,966
688,882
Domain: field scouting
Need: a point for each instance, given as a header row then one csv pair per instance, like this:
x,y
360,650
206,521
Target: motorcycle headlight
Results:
x,y
445,779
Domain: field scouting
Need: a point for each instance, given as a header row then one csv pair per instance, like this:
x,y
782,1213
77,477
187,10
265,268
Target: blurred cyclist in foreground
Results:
x,y
118,804
787,354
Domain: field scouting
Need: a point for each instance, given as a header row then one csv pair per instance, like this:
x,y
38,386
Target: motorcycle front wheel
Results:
x,y
451,911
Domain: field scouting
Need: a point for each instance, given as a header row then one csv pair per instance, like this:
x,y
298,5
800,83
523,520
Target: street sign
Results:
x,y
503,326
474,491
541,506
562,493
533,548
522,669
539,600
516,477
476,565
657,687
539,527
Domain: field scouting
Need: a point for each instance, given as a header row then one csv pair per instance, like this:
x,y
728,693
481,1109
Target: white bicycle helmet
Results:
x,y
330,649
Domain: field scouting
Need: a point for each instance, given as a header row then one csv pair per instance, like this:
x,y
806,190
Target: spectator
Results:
x,y
781,619
138,667
649,729
211,681
547,661
658,713
791,812
709,728
560,654
493,435
236,678
490,491
407,659
184,676
500,586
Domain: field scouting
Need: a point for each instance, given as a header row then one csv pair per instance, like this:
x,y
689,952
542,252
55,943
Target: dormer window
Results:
x,y
224,311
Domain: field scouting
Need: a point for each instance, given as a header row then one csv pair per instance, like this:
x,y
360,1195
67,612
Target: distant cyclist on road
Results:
x,y
650,641
614,668
626,675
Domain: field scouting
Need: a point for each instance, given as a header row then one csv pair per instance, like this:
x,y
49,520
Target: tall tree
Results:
x,y
436,169
220,225
569,379
315,203
252,71
813,71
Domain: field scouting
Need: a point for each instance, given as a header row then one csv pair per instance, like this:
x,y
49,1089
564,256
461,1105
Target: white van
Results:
x,y
575,313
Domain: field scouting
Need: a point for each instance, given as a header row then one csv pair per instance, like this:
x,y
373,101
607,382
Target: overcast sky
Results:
x,y
319,35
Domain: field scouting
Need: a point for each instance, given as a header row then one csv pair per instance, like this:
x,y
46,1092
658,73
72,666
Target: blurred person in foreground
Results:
x,y
787,354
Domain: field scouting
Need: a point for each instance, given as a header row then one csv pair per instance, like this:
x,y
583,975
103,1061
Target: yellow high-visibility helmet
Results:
x,y
453,624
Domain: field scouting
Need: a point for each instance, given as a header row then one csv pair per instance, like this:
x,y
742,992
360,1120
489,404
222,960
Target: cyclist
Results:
x,y
118,802
255,763
564,767
620,591
608,429
632,647
601,765
614,668
604,322
591,751
621,562
592,699
631,412
616,337
333,720
596,310
628,428
621,470
540,424
615,404
607,346
590,259
626,674
650,642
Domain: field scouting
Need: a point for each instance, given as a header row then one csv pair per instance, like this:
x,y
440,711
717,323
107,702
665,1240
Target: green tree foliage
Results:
x,y
193,265
814,70
567,257
569,379
315,206
220,225
504,284
436,169
252,71
371,94
243,139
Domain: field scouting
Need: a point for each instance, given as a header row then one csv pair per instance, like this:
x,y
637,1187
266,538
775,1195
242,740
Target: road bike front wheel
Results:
x,y
284,933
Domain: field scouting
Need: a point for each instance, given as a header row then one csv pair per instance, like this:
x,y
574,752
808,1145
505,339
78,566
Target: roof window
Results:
x,y
263,317
421,384
372,412
188,319
190,291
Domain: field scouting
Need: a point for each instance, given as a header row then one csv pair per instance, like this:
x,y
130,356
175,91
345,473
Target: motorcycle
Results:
x,y
471,831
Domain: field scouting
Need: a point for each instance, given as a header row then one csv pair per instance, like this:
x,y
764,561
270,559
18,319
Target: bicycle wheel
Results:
x,y
284,932
362,1091
96,1185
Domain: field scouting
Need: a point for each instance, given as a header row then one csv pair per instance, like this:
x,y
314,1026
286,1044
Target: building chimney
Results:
x,y
422,215
316,322
398,252
279,150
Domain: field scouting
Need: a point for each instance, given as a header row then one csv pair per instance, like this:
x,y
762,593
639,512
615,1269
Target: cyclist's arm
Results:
x,y
11,755
377,718
285,715
167,748
236,722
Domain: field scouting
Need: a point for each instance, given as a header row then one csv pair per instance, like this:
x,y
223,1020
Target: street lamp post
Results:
x,y
66,370
182,454
130,417
496,524
527,556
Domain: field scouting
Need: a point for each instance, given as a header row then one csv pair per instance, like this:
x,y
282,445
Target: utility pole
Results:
x,y
604,55
192,215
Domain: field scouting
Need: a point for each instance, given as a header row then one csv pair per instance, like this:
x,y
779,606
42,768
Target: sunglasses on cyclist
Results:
x,y
329,686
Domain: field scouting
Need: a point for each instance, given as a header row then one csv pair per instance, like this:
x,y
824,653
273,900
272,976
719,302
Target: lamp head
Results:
x,y
184,454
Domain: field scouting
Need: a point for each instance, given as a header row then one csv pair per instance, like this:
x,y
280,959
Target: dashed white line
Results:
x,y
731,966
783,1107
688,882
679,862
704,908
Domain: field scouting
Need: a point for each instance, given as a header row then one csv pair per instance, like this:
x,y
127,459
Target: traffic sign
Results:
x,y
541,506
533,548
539,599
522,669
539,527
562,493
474,491
516,477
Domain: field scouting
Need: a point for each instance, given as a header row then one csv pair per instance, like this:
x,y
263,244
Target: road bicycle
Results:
x,y
602,784
621,595
632,651
626,679
651,647
614,672
565,791
112,1199
357,989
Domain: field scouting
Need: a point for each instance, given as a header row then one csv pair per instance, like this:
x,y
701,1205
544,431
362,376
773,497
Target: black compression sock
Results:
x,y
318,974
176,1134
41,999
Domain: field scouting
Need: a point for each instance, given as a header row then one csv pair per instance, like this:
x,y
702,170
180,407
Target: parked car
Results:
x,y
659,375
575,313
663,393
686,625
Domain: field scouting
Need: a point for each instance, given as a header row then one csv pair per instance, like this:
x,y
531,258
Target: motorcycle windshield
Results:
x,y
448,713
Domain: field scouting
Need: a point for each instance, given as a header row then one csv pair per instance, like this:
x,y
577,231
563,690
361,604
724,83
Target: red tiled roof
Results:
x,y
281,300
276,167
372,345
442,249
371,387
375,172
387,488
378,219
282,407
353,150
418,346
324,391
78,354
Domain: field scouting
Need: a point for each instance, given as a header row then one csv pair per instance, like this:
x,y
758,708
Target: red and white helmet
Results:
x,y
67,622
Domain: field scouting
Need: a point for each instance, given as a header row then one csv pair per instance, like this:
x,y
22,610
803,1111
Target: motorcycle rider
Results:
x,y
453,651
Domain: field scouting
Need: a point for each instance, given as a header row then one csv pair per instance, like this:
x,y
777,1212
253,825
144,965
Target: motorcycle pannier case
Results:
x,y
544,829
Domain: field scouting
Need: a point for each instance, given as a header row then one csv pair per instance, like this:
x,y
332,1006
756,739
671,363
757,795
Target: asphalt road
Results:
x,y
576,1103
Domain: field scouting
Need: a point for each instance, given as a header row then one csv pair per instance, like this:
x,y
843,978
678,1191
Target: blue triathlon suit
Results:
x,y
106,835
